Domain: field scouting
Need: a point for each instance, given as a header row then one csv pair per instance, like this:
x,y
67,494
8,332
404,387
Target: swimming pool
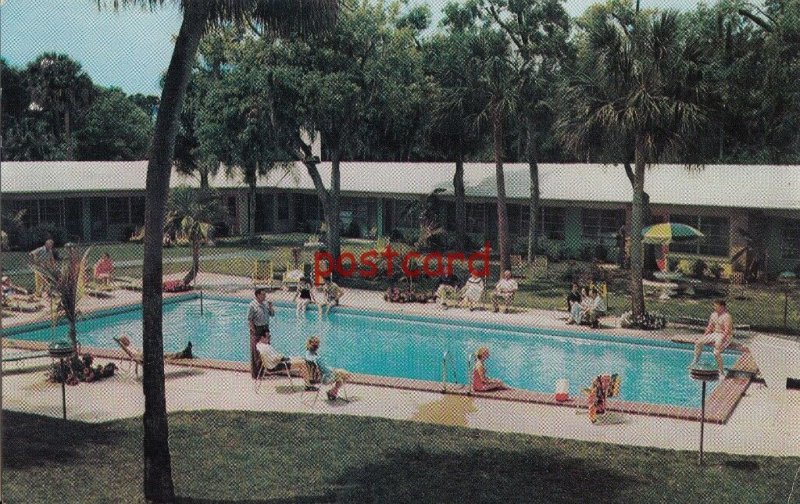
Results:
x,y
406,346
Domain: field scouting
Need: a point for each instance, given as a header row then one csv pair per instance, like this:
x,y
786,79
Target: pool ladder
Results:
x,y
447,365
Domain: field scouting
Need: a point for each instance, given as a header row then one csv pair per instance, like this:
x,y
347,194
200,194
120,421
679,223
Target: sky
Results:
x,y
130,48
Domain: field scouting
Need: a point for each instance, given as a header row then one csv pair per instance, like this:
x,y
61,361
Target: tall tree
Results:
x,y
455,132
114,129
282,16
638,89
59,87
537,31
501,98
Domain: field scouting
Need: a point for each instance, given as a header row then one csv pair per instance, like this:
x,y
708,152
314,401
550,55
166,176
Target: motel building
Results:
x,y
583,205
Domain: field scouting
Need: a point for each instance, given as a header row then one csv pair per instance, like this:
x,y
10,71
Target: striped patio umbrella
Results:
x,y
668,232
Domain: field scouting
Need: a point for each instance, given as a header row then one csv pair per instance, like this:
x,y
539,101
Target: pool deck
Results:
x,y
761,423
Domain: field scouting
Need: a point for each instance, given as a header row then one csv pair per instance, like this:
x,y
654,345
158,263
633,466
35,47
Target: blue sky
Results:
x,y
129,49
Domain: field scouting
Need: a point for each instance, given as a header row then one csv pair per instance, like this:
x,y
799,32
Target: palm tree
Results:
x,y
58,85
66,280
639,93
282,16
496,77
193,213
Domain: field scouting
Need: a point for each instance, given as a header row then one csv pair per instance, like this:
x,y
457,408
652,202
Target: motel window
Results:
x,y
600,224
475,218
50,211
790,239
283,206
118,211
552,222
137,210
715,229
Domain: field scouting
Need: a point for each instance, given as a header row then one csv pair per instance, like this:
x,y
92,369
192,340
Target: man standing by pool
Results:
x,y
718,332
258,315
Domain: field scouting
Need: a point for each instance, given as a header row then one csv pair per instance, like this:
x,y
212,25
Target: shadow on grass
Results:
x,y
30,439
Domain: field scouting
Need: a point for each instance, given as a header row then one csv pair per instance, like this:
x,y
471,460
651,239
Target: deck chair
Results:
x,y
314,377
134,357
263,371
21,305
539,266
291,277
263,274
128,283
518,267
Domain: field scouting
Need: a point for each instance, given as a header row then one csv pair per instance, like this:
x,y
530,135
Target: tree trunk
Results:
x,y
334,229
533,217
73,335
251,212
461,205
502,207
204,178
195,269
68,135
637,224
158,486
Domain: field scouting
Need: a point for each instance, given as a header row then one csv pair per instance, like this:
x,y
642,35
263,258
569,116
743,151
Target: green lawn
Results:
x,y
238,457
762,306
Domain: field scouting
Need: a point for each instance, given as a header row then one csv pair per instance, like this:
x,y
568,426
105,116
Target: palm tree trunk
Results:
x,y
637,224
73,335
533,217
502,207
158,486
68,135
461,205
334,229
189,278
251,212
204,178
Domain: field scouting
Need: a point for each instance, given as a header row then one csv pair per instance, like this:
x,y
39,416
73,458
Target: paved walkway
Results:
x,y
763,423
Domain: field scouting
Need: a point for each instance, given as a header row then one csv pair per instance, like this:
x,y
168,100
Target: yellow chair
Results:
x,y
539,266
518,266
263,274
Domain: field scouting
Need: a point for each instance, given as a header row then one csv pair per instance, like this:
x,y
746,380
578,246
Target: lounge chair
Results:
x,y
539,266
518,266
263,274
135,357
128,283
280,371
22,305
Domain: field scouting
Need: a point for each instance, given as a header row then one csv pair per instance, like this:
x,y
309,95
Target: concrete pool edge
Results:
x,y
719,405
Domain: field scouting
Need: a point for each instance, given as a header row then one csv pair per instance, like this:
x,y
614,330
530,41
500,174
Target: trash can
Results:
x,y
562,390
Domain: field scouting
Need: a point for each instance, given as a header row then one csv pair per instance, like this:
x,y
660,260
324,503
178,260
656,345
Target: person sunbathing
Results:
x,y
480,382
104,269
9,288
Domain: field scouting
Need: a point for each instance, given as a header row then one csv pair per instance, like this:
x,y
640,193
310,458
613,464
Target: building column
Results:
x,y
379,220
86,218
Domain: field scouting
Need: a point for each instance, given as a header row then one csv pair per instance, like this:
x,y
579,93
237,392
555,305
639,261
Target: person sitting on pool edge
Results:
x,y
719,333
303,296
328,374
480,382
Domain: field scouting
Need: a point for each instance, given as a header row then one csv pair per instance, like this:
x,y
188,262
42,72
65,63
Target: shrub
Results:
x,y
672,263
79,369
716,270
587,253
647,321
573,273
37,235
698,268
353,230
600,252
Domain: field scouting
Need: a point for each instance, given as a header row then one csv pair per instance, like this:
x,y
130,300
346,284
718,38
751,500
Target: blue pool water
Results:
x,y
412,347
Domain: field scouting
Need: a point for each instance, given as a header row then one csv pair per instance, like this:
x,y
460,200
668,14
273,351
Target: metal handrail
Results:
x,y
447,358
